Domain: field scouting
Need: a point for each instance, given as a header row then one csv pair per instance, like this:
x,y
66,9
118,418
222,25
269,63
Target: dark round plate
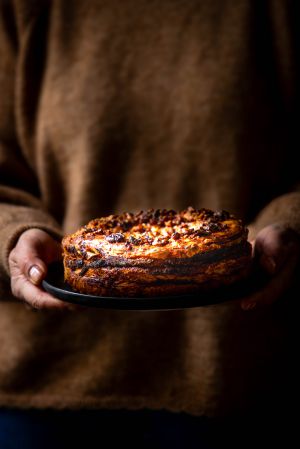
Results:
x,y
55,285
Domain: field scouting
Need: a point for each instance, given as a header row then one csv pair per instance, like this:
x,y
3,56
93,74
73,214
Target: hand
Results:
x,y
28,262
276,254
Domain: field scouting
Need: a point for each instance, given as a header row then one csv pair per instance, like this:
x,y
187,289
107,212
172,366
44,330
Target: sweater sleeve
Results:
x,y
20,205
284,210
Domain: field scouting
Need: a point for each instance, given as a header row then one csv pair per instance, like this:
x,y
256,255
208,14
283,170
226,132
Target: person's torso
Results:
x,y
152,104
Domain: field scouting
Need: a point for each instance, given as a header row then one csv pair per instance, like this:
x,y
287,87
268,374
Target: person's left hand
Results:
x,y
276,254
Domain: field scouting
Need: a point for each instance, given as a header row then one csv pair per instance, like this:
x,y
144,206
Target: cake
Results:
x,y
157,253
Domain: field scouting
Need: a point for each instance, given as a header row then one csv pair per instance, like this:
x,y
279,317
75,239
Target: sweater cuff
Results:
x,y
284,210
10,235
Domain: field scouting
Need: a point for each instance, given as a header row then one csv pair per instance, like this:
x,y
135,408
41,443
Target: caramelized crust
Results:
x,y
157,253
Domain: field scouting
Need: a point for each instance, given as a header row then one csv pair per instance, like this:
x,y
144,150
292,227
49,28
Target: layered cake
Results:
x,y
157,253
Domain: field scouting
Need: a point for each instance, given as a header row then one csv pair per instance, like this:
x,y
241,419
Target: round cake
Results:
x,y
157,253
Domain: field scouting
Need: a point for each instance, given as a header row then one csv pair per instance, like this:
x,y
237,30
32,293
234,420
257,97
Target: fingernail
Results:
x,y
249,305
35,274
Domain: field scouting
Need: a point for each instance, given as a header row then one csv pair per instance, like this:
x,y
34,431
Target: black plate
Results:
x,y
55,285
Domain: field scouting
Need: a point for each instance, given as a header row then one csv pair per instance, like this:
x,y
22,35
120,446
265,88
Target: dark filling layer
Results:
x,y
167,266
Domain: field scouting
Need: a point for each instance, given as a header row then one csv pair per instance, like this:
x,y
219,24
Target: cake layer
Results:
x,y
157,253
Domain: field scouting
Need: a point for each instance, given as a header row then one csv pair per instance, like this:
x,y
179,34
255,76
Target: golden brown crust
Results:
x,y
157,253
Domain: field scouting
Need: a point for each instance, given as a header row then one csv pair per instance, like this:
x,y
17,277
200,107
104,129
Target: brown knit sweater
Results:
x,y
111,105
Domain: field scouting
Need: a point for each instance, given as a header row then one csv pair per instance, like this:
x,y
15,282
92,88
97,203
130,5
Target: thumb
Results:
x,y
34,250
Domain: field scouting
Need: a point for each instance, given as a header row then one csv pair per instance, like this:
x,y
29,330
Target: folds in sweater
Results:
x,y
108,106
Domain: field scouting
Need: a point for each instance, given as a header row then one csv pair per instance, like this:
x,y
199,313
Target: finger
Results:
x,y
47,248
40,244
28,266
25,262
274,288
273,246
34,250
37,298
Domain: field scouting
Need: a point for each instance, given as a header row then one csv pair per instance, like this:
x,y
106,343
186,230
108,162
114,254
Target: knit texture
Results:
x,y
111,106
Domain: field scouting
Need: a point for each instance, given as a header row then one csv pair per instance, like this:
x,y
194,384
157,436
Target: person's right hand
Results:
x,y
28,262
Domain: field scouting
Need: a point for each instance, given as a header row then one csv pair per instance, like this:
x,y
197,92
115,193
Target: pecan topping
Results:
x,y
212,227
115,238
134,240
162,242
125,226
128,246
149,239
221,215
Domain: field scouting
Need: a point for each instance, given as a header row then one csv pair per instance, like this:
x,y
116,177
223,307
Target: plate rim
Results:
x,y
186,301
